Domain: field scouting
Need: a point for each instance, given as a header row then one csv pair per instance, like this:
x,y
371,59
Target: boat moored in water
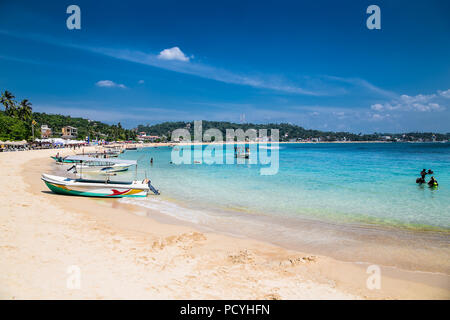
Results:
x,y
242,153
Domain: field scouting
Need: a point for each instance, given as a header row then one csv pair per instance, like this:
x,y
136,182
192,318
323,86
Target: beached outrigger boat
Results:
x,y
99,165
62,160
104,154
98,188
116,149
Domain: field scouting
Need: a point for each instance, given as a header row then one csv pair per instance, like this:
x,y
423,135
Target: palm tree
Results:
x,y
7,99
25,112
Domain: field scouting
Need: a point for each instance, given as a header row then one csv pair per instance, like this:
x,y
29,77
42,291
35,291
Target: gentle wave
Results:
x,y
169,208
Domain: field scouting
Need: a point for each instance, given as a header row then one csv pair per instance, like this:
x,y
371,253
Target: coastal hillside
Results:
x,y
91,128
17,119
290,132
17,122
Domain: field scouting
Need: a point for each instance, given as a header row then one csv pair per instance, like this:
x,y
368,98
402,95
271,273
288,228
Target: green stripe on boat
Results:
x,y
59,190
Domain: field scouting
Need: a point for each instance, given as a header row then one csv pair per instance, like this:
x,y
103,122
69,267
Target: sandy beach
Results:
x,y
121,253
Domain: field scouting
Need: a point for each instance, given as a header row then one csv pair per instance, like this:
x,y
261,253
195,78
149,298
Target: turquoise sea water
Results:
x,y
370,183
354,202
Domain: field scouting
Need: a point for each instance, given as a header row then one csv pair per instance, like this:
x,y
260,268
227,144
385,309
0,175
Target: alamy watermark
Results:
x,y
373,282
242,147
73,280
74,20
374,20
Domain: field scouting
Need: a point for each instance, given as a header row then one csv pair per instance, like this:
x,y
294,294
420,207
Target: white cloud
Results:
x,y
141,81
420,102
445,94
378,117
377,107
173,58
109,84
173,54
361,83
339,115
208,72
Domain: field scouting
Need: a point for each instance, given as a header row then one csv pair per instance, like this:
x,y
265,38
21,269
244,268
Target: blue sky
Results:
x,y
311,63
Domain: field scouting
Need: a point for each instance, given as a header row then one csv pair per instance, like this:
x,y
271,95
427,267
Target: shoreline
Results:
x,y
347,242
168,144
124,254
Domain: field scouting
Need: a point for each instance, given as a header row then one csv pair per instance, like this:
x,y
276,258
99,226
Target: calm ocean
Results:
x,y
323,194
368,183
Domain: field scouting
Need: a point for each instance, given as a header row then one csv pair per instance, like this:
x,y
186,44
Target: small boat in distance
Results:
x,y
241,153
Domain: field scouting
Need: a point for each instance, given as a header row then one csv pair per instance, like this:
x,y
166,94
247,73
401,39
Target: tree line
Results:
x,y
289,131
18,118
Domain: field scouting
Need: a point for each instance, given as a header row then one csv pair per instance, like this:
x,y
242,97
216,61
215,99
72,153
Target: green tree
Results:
x,y
25,112
12,128
7,99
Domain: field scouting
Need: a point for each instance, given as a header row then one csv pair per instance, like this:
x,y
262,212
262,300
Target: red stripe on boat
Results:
x,y
118,193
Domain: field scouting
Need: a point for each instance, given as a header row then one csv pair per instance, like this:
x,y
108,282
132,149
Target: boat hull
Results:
x,y
62,160
102,169
102,190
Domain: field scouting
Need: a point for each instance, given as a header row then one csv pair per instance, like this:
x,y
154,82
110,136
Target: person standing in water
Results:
x,y
433,182
423,173
151,161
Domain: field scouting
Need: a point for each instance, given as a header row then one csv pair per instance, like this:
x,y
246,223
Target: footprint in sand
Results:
x,y
298,260
185,240
242,257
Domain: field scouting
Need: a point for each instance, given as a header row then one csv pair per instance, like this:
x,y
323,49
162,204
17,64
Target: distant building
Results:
x,y
144,137
46,132
69,132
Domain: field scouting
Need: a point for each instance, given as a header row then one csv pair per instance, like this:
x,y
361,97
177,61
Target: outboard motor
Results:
x,y
152,188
